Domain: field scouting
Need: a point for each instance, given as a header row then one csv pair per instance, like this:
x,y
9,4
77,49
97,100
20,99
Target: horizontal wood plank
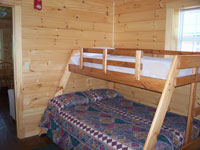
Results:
x,y
124,78
121,64
110,62
121,52
132,52
180,81
189,62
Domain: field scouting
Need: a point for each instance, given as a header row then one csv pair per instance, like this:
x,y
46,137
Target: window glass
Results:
x,y
189,30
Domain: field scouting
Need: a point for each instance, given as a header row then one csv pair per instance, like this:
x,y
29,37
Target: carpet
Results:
x,y
47,147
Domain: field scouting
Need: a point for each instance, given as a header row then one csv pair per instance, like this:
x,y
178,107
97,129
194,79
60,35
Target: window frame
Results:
x,y
180,38
172,13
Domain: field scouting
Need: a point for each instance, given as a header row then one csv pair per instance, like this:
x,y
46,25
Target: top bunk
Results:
x,y
144,68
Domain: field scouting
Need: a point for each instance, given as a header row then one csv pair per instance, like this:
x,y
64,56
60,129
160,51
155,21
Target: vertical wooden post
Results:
x,y
18,77
81,58
193,90
162,107
104,60
65,77
139,54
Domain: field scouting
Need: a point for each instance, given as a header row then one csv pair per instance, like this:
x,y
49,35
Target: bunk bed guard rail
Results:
x,y
137,54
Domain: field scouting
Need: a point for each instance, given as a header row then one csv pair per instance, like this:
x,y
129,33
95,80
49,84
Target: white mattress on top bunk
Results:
x,y
152,66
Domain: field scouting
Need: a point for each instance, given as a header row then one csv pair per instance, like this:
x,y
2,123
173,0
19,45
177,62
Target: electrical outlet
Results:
x,y
26,65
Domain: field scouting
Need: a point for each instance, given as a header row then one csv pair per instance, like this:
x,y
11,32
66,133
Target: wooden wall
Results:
x,y
79,82
6,26
141,24
48,37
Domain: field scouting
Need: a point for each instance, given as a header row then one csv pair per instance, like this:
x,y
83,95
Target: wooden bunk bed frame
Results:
x,y
181,60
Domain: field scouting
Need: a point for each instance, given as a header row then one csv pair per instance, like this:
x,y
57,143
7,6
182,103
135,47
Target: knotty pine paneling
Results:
x,y
141,24
48,38
79,82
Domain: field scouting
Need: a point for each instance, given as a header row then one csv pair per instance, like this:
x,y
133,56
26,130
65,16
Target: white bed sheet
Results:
x,y
152,66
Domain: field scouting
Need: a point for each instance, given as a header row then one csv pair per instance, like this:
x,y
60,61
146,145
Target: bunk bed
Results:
x,y
181,68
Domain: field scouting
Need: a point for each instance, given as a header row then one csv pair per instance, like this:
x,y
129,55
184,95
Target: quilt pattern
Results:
x,y
103,120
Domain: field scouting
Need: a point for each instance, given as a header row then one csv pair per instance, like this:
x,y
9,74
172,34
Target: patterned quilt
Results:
x,y
103,120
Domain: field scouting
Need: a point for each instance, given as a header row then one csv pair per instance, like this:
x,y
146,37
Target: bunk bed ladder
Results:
x,y
162,107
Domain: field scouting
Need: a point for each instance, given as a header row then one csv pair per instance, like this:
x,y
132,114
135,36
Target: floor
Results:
x,y
8,138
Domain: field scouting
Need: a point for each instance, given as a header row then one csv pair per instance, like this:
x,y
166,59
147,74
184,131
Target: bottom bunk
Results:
x,y
103,120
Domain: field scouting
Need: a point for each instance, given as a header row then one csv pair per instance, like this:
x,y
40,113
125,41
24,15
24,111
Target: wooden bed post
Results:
x,y
162,107
105,60
138,57
81,58
65,77
191,109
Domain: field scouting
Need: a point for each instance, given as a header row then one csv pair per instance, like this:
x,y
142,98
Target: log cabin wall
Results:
x,y
6,27
141,24
79,82
48,38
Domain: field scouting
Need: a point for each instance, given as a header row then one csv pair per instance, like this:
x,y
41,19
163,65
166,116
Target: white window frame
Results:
x,y
180,30
171,30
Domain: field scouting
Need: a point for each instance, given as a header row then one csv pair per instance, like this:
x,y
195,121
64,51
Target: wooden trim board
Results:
x,y
18,82
162,107
124,78
132,52
111,62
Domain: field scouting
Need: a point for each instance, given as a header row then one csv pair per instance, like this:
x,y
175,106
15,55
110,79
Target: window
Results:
x,y
189,30
1,45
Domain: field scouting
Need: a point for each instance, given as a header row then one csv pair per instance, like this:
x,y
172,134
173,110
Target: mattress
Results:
x,y
103,120
152,66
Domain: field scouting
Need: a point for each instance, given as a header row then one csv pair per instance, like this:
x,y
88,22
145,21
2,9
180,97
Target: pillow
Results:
x,y
85,97
102,94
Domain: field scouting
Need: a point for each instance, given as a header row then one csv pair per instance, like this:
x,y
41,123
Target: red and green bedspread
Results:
x,y
103,120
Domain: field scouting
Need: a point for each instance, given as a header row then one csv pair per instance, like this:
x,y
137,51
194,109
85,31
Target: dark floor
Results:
x,y
8,138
